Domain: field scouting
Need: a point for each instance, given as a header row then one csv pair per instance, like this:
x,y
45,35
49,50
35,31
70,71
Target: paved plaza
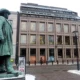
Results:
x,y
55,72
57,75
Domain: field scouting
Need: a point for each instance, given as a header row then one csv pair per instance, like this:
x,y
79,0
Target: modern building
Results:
x,y
13,20
46,33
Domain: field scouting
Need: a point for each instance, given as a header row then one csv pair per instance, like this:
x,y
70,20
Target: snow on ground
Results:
x,y
74,71
29,77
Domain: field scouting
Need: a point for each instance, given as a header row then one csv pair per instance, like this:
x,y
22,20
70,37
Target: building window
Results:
x,y
68,53
79,29
42,27
67,40
59,40
42,55
22,52
51,55
33,26
50,27
75,54
23,38
32,39
42,39
60,53
58,28
74,40
51,39
23,26
32,55
66,28
73,28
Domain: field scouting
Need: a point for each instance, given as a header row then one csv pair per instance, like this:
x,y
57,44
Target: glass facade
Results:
x,y
67,40
41,27
60,53
33,26
58,28
23,38
68,53
59,40
51,39
66,28
32,39
42,39
23,26
73,28
50,27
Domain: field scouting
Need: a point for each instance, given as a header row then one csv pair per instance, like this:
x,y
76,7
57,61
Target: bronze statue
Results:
x,y
6,45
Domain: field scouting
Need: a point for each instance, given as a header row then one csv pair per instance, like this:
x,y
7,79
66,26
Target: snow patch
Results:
x,y
29,77
74,71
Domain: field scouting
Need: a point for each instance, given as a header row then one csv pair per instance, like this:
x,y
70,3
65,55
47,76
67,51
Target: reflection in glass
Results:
x,y
59,40
50,27
33,39
51,39
60,53
23,39
68,53
42,39
67,40
33,26
73,28
23,26
58,27
51,55
41,27
66,28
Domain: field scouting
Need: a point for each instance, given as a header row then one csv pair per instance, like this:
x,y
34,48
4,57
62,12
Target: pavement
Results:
x,y
57,75
52,72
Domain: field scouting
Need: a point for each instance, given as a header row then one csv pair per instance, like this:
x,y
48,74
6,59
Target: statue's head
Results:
x,y
5,13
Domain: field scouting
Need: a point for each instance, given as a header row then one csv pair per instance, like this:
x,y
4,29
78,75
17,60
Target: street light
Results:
x,y
76,43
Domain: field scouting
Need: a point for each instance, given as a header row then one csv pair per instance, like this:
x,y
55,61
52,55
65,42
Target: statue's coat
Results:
x,y
5,37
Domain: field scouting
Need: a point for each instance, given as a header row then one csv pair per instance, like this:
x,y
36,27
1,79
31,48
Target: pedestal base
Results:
x,y
20,77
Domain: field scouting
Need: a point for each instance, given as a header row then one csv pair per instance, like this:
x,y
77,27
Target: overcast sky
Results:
x,y
14,5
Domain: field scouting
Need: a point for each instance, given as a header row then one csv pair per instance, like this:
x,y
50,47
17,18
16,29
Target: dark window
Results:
x,y
60,53
68,53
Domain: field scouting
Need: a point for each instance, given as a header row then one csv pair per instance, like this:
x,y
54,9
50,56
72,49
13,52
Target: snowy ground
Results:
x,y
74,72
29,77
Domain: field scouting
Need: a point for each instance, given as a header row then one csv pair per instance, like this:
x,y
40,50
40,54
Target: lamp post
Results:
x,y
76,43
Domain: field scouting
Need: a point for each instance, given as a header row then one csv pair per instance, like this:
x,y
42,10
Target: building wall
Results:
x,y
37,48
13,20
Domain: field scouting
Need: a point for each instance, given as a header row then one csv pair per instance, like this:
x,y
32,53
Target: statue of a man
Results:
x,y
6,45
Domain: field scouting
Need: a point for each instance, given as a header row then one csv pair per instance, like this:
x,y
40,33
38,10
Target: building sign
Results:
x,y
22,64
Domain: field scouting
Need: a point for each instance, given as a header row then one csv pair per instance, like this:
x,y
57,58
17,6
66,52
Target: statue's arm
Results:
x,y
1,31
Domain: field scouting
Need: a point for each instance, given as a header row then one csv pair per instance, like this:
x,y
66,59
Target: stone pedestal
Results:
x,y
20,77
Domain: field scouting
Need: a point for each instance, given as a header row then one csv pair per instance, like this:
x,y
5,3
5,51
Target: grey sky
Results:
x,y
14,5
